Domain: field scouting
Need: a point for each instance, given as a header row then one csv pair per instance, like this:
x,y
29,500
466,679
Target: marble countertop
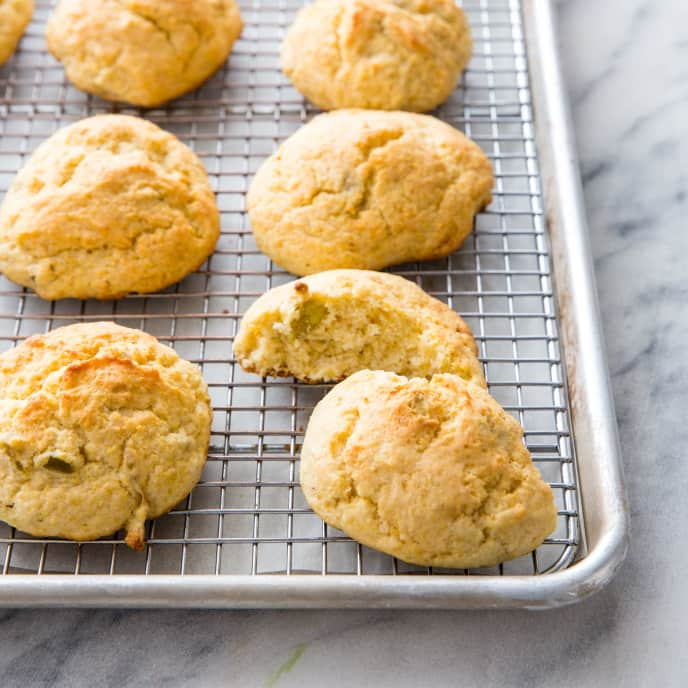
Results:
x,y
626,64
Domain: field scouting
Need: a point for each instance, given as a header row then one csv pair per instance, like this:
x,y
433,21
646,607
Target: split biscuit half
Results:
x,y
327,326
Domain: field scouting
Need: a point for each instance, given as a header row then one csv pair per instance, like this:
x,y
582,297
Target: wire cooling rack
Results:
x,y
248,515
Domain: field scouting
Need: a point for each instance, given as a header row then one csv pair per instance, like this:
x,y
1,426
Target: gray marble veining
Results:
x,y
626,64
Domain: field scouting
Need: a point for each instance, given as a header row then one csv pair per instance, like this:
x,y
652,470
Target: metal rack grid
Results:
x,y
247,515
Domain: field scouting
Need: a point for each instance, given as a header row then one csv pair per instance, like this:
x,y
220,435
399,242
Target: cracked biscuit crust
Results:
x,y
14,18
368,189
101,427
432,472
144,52
107,206
377,54
328,326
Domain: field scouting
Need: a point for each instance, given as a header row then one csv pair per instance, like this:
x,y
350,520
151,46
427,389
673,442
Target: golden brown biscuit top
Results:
x,y
24,369
431,471
14,17
107,206
368,189
142,51
377,54
101,427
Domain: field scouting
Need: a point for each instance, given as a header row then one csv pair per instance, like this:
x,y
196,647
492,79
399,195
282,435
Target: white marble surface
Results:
x,y
626,63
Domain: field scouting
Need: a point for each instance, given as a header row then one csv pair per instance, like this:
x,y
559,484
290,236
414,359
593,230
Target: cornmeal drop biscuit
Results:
x,y
368,189
14,18
101,428
107,206
330,325
433,472
379,54
144,52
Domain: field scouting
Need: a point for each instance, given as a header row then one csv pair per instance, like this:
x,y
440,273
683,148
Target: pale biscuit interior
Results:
x,y
327,326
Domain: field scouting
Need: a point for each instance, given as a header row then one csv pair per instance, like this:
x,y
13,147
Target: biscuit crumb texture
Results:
x,y
107,206
368,189
330,325
143,52
101,427
432,472
377,54
14,18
